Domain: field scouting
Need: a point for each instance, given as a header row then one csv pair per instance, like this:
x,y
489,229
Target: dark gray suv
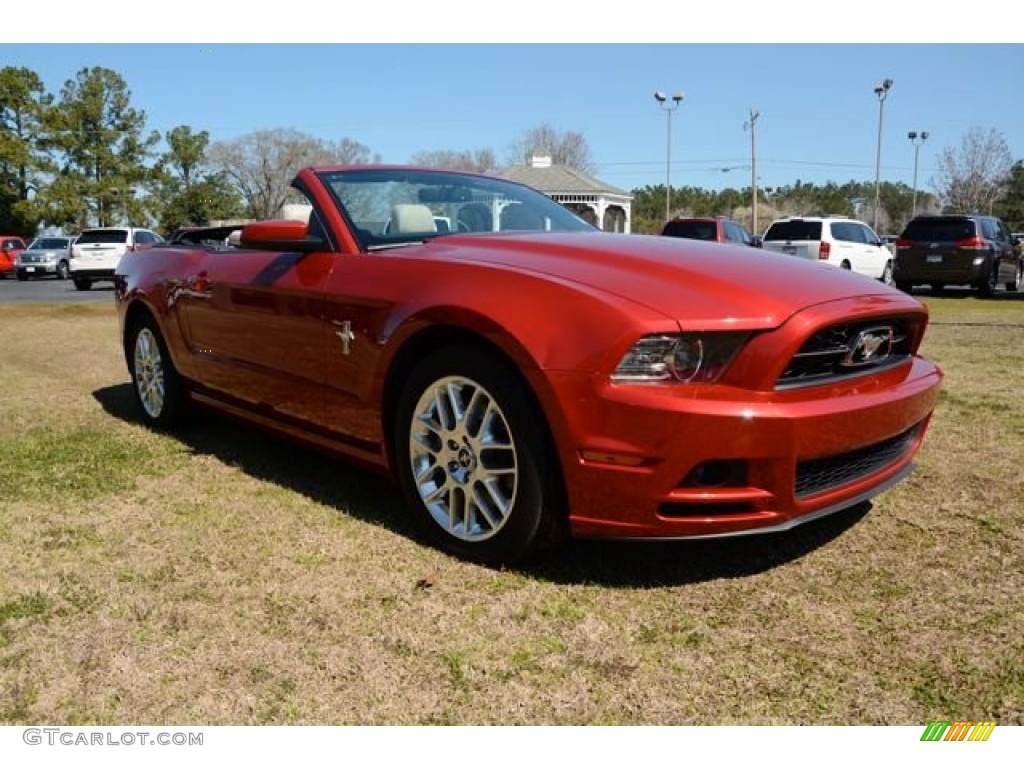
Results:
x,y
973,250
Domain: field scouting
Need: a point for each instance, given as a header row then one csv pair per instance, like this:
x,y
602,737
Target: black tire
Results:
x,y
477,478
22,276
156,385
904,286
887,278
63,272
846,265
82,283
1017,284
988,286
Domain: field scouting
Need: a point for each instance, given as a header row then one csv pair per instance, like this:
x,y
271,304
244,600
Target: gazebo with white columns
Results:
x,y
601,204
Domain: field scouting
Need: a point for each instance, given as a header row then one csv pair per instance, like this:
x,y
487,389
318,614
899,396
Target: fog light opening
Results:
x,y
717,474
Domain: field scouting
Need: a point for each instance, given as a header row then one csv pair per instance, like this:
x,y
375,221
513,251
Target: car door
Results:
x,y
254,321
873,254
846,246
738,234
1003,242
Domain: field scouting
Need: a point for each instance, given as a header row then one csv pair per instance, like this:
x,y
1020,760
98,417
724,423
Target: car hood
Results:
x,y
705,285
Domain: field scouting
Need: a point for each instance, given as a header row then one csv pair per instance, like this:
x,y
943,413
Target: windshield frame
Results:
x,y
368,199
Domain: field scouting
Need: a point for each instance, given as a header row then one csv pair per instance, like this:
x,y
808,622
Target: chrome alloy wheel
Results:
x,y
149,373
463,458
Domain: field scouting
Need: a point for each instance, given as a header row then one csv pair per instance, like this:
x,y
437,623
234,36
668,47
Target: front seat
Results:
x,y
411,217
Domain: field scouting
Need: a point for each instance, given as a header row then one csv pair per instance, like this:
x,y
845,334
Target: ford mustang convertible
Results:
x,y
525,376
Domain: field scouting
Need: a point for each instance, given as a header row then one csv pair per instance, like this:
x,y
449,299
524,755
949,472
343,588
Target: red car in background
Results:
x,y
714,229
526,376
10,247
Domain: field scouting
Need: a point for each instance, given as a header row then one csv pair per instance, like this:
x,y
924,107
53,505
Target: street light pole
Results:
x,y
881,91
753,168
669,108
914,136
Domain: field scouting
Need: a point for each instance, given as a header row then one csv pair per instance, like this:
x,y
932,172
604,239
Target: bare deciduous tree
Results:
x,y
565,148
478,160
970,179
262,164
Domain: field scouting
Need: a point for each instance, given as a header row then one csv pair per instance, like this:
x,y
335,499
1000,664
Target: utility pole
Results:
x,y
753,168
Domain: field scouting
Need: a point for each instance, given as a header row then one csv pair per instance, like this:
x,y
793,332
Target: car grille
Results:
x,y
844,350
32,259
819,475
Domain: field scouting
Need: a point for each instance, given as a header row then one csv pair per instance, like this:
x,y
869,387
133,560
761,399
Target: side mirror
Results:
x,y
282,235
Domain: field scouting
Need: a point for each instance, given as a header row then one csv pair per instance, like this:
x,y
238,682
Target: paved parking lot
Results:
x,y
50,290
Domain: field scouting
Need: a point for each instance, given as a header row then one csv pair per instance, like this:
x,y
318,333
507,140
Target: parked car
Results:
x,y
974,250
716,229
96,252
541,378
45,256
845,243
10,247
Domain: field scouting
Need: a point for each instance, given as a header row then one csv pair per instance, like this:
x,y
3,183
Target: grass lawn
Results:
x,y
219,576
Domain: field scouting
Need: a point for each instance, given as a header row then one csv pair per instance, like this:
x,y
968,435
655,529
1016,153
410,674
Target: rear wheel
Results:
x,y
472,457
887,273
157,387
904,286
1017,284
82,283
989,285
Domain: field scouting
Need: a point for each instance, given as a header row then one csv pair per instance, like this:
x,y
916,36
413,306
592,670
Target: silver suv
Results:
x,y
845,243
96,252
45,256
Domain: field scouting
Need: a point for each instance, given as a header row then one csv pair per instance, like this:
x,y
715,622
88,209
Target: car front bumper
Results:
x,y
37,270
662,461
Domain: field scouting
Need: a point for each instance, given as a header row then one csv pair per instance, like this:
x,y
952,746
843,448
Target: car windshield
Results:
x,y
693,230
48,244
797,229
394,207
939,230
103,236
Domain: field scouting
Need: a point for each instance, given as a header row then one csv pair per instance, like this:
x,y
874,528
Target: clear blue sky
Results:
x,y
819,115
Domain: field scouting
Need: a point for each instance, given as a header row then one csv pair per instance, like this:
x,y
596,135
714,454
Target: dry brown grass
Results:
x,y
220,577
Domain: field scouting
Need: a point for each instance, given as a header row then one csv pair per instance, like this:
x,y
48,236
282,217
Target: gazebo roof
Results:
x,y
542,175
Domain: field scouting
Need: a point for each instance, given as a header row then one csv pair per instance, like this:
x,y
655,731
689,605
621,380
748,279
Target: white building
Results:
x,y
601,204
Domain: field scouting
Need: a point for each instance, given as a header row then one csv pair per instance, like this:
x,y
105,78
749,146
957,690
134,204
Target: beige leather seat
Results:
x,y
411,217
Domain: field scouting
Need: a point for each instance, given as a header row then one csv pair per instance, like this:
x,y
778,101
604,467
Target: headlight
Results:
x,y
687,357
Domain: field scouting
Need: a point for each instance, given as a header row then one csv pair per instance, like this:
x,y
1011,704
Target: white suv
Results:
x,y
96,252
845,243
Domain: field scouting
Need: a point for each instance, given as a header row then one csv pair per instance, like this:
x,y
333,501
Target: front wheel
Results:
x,y
472,459
82,284
62,271
157,387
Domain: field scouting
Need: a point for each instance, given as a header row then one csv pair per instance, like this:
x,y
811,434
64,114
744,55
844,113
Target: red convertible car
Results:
x,y
525,376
